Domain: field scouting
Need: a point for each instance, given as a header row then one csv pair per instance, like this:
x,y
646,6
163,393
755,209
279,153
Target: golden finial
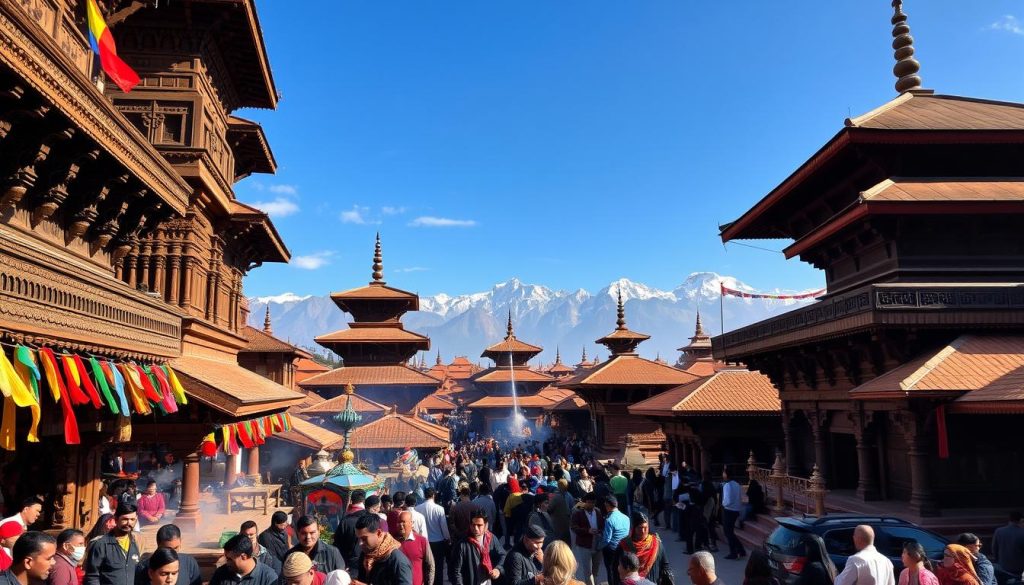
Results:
x,y
350,389
907,66
378,262
347,456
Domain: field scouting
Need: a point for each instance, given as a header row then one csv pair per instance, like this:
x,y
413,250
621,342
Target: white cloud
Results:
x,y
358,215
388,210
412,269
313,261
430,221
284,189
1008,23
279,207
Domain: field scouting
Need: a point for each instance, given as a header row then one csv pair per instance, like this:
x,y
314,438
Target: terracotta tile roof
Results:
x,y
375,291
701,367
373,335
511,345
946,189
942,112
337,404
262,342
400,375
311,399
399,431
530,401
504,374
308,365
629,370
569,403
621,334
434,401
460,369
554,393
726,392
230,388
976,366
310,435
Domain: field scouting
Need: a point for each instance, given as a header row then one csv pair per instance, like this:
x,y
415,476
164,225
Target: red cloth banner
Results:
x,y
726,291
940,427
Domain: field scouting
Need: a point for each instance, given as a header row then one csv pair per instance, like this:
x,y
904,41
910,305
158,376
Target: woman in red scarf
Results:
x,y
957,567
9,533
648,548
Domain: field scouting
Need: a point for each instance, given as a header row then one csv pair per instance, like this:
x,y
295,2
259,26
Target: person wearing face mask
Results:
x,y
70,552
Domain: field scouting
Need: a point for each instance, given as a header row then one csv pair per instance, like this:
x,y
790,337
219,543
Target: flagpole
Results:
x,y
721,305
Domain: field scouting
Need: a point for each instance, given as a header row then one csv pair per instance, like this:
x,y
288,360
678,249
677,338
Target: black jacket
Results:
x,y
188,571
276,542
394,570
108,564
345,539
325,557
261,575
464,566
520,566
265,557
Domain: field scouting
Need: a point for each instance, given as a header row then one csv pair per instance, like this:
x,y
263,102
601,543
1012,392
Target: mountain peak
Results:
x,y
288,297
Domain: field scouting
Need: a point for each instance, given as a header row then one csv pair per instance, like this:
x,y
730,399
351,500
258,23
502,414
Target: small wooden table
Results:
x,y
264,491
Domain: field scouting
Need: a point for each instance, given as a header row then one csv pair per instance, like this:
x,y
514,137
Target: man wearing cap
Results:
x,y
33,559
382,561
9,533
616,527
298,569
239,567
524,564
325,556
276,538
113,557
415,548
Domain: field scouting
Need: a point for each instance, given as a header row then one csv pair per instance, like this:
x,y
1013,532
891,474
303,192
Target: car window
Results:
x,y
787,541
839,542
890,539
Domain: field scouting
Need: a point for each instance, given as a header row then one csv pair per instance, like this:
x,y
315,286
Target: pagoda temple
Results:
x,y
910,364
511,367
697,356
624,378
558,369
376,347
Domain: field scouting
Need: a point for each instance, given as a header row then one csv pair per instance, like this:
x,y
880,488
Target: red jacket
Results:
x,y
581,527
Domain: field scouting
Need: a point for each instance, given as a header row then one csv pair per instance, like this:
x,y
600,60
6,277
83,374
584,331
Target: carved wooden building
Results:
x,y
120,235
906,365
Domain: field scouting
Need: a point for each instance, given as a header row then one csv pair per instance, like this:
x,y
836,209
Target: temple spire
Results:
x,y
621,321
907,66
584,354
438,362
266,322
378,263
700,328
558,355
509,332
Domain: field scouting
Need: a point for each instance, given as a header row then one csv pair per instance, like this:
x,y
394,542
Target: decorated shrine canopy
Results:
x,y
74,381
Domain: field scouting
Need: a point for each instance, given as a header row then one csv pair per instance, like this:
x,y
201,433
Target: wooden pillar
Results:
x,y
253,467
867,479
189,266
188,513
173,281
704,451
820,453
231,470
789,455
922,501
673,451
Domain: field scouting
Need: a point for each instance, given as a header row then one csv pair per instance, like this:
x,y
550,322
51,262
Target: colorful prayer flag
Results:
x,y
102,42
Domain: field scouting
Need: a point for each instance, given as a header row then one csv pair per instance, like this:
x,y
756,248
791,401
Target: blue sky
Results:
x,y
573,142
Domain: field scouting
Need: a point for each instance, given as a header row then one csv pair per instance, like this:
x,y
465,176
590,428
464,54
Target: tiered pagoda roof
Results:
x,y
697,356
558,369
400,431
727,392
376,336
510,357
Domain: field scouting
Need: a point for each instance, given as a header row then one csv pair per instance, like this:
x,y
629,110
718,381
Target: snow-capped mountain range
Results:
x,y
566,320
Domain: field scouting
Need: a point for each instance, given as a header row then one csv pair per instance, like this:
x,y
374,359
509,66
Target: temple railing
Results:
x,y
802,493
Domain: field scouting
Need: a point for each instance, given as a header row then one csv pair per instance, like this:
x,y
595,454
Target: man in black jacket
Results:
x,y
276,538
261,554
169,536
345,534
477,558
382,561
239,566
524,564
326,557
114,556
32,558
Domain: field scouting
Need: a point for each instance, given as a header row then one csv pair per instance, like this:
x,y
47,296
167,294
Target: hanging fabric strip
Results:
x,y
53,379
268,426
943,435
8,380
287,421
71,435
165,389
176,387
134,389
233,442
86,383
124,429
116,381
25,364
101,380
257,432
208,448
7,425
72,380
147,385
226,431
243,435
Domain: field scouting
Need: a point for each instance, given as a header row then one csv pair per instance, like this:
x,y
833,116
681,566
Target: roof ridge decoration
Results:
x,y
907,66
378,263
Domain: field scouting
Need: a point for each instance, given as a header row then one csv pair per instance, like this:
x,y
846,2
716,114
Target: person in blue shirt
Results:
x,y
616,527
732,505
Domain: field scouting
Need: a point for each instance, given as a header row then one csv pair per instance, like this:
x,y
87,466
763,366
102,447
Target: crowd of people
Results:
x,y
487,514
